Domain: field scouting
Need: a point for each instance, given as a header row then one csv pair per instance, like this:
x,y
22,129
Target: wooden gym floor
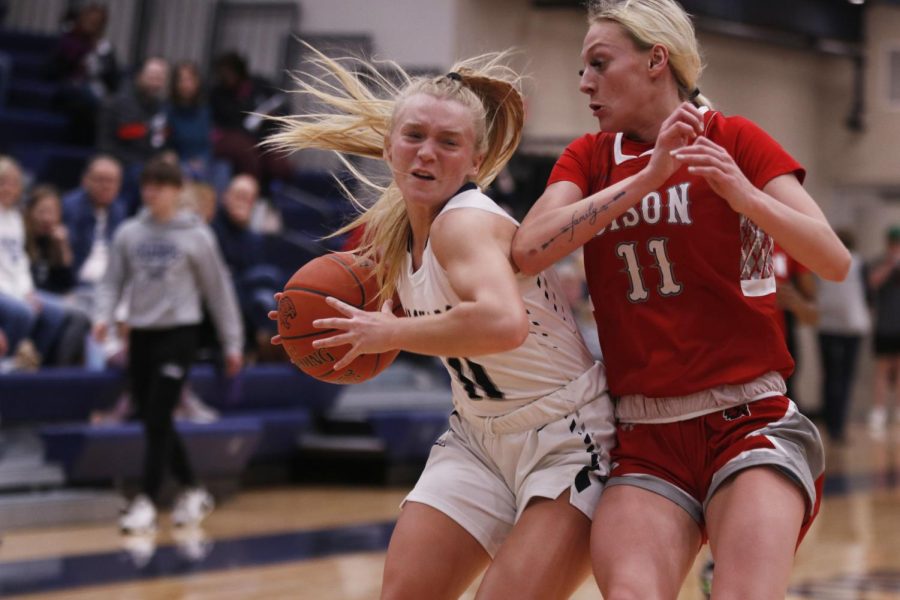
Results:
x,y
328,543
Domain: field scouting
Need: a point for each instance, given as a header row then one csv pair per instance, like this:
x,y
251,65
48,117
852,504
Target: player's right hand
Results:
x,y
273,315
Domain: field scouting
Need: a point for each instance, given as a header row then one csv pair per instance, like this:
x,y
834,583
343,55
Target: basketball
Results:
x,y
348,278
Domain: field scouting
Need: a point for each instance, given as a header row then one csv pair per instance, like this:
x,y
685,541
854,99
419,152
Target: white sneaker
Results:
x,y
139,518
878,420
193,409
192,507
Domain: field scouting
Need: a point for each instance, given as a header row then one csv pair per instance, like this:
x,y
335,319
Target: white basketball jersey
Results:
x,y
553,355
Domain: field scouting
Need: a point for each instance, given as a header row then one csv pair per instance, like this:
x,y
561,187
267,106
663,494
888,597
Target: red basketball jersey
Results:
x,y
682,285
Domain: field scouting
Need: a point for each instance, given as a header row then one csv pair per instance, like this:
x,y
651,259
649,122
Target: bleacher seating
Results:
x,y
60,164
30,128
263,411
115,452
56,395
33,94
408,434
27,125
312,205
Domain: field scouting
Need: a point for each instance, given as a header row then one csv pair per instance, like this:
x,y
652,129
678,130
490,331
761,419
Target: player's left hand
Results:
x,y
712,162
367,332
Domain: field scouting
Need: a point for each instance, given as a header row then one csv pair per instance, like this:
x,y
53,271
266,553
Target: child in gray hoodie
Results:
x,y
165,263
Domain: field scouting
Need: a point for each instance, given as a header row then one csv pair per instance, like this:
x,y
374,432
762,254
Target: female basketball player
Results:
x,y
677,206
514,481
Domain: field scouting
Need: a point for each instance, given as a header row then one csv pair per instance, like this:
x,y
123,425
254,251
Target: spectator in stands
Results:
x,y
44,320
190,123
15,319
201,198
50,254
237,99
169,263
92,213
47,241
884,282
85,65
133,125
574,285
255,281
843,321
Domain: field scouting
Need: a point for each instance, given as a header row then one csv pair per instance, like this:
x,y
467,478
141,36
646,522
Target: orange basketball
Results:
x,y
348,278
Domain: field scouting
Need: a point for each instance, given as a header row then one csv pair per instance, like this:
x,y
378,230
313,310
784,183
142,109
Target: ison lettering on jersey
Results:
x,y
676,210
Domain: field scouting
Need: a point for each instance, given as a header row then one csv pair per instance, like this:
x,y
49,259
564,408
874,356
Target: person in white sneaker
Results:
x,y
140,517
169,263
192,507
884,281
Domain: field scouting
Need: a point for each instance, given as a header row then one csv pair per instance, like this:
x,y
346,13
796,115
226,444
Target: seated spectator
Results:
x,y
92,212
44,321
85,64
16,320
237,99
47,241
201,198
133,126
47,245
190,124
256,282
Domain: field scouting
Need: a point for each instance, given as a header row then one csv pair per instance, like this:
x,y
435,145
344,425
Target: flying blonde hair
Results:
x,y
665,22
360,105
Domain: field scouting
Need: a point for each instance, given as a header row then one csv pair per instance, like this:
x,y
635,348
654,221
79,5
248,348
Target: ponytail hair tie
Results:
x,y
454,76
694,94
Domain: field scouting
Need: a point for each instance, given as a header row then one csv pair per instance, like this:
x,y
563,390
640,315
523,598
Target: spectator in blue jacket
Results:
x,y
91,209
255,281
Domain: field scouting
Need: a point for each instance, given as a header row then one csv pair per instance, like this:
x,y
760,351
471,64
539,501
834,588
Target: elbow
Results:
x,y
510,332
838,269
525,260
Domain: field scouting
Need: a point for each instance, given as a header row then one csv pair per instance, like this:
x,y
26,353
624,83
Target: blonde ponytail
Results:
x,y
361,105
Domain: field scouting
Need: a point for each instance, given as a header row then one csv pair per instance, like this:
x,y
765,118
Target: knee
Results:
x,y
625,584
623,591
395,588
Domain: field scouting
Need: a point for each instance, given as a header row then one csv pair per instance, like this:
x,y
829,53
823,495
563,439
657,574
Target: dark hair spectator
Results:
x,y
190,121
133,124
237,99
47,241
84,62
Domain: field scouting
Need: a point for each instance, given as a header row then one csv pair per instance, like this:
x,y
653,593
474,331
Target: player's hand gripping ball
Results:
x,y
348,278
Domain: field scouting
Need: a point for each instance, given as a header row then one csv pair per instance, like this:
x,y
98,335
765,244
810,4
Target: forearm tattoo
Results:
x,y
589,216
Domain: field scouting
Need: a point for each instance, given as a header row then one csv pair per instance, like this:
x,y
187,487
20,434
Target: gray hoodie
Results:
x,y
166,268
